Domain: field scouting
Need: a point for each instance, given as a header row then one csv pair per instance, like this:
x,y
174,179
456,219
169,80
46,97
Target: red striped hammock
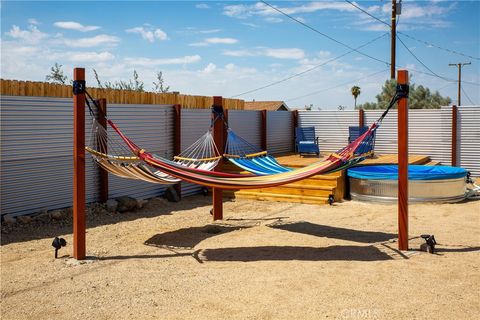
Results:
x,y
349,155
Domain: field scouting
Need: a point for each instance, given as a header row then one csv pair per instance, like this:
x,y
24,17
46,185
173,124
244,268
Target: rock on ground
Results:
x,y
126,204
172,195
8,219
112,205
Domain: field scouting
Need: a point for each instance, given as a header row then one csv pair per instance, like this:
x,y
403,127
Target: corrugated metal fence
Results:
x,y
280,132
429,133
246,124
149,126
36,155
195,122
468,124
331,127
36,143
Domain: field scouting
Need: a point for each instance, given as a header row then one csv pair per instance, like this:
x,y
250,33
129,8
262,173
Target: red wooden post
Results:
x,y
263,129
79,168
177,139
218,137
402,77
361,118
102,173
454,135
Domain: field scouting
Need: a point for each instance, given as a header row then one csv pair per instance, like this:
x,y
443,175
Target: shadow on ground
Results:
x,y
458,249
188,238
50,229
284,253
319,230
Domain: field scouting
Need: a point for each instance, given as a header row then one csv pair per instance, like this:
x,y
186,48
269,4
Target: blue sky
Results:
x,y
228,47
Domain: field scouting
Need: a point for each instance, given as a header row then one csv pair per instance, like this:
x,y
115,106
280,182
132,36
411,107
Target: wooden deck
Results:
x,y
296,161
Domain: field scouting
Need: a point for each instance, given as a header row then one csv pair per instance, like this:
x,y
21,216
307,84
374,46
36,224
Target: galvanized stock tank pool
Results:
x,y
379,183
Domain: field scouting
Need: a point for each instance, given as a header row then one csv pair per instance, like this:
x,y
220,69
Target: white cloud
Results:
x,y
273,19
209,41
301,19
414,14
210,68
90,56
239,53
166,61
198,44
101,39
194,30
33,21
149,34
72,25
202,6
421,15
288,53
32,36
282,53
221,40
251,25
243,11
209,31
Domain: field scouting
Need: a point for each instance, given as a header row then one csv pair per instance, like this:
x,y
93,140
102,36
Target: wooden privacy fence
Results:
x,y
45,89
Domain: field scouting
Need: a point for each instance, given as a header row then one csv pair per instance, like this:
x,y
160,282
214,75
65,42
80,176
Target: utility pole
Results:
x,y
393,39
459,66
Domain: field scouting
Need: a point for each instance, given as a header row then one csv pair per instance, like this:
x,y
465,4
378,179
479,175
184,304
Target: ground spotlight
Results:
x,y
57,244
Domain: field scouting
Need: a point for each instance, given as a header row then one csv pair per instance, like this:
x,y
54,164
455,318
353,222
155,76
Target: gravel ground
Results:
x,y
265,260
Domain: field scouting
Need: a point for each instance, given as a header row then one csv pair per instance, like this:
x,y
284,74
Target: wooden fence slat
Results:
x,y
45,89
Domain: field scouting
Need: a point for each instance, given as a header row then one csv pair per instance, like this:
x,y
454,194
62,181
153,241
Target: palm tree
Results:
x,y
355,92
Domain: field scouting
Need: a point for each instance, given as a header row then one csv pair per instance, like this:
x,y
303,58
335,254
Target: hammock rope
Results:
x,y
112,153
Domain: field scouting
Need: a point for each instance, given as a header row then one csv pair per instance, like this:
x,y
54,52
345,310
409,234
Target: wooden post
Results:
x,y
177,139
218,137
263,129
102,173
454,135
361,118
79,168
402,77
295,125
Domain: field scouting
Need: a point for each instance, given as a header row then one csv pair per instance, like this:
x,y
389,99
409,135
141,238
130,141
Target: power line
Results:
x,y
438,47
368,13
432,72
444,78
443,87
465,93
342,55
323,34
308,70
411,37
416,58
336,86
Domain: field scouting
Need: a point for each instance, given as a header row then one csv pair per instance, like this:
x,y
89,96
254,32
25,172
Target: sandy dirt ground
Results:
x,y
266,260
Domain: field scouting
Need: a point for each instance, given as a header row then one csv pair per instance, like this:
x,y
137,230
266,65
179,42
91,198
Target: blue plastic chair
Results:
x,y
355,131
305,140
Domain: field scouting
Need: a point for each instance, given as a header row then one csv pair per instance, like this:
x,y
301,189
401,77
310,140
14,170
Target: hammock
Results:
x,y
346,157
121,161
248,157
